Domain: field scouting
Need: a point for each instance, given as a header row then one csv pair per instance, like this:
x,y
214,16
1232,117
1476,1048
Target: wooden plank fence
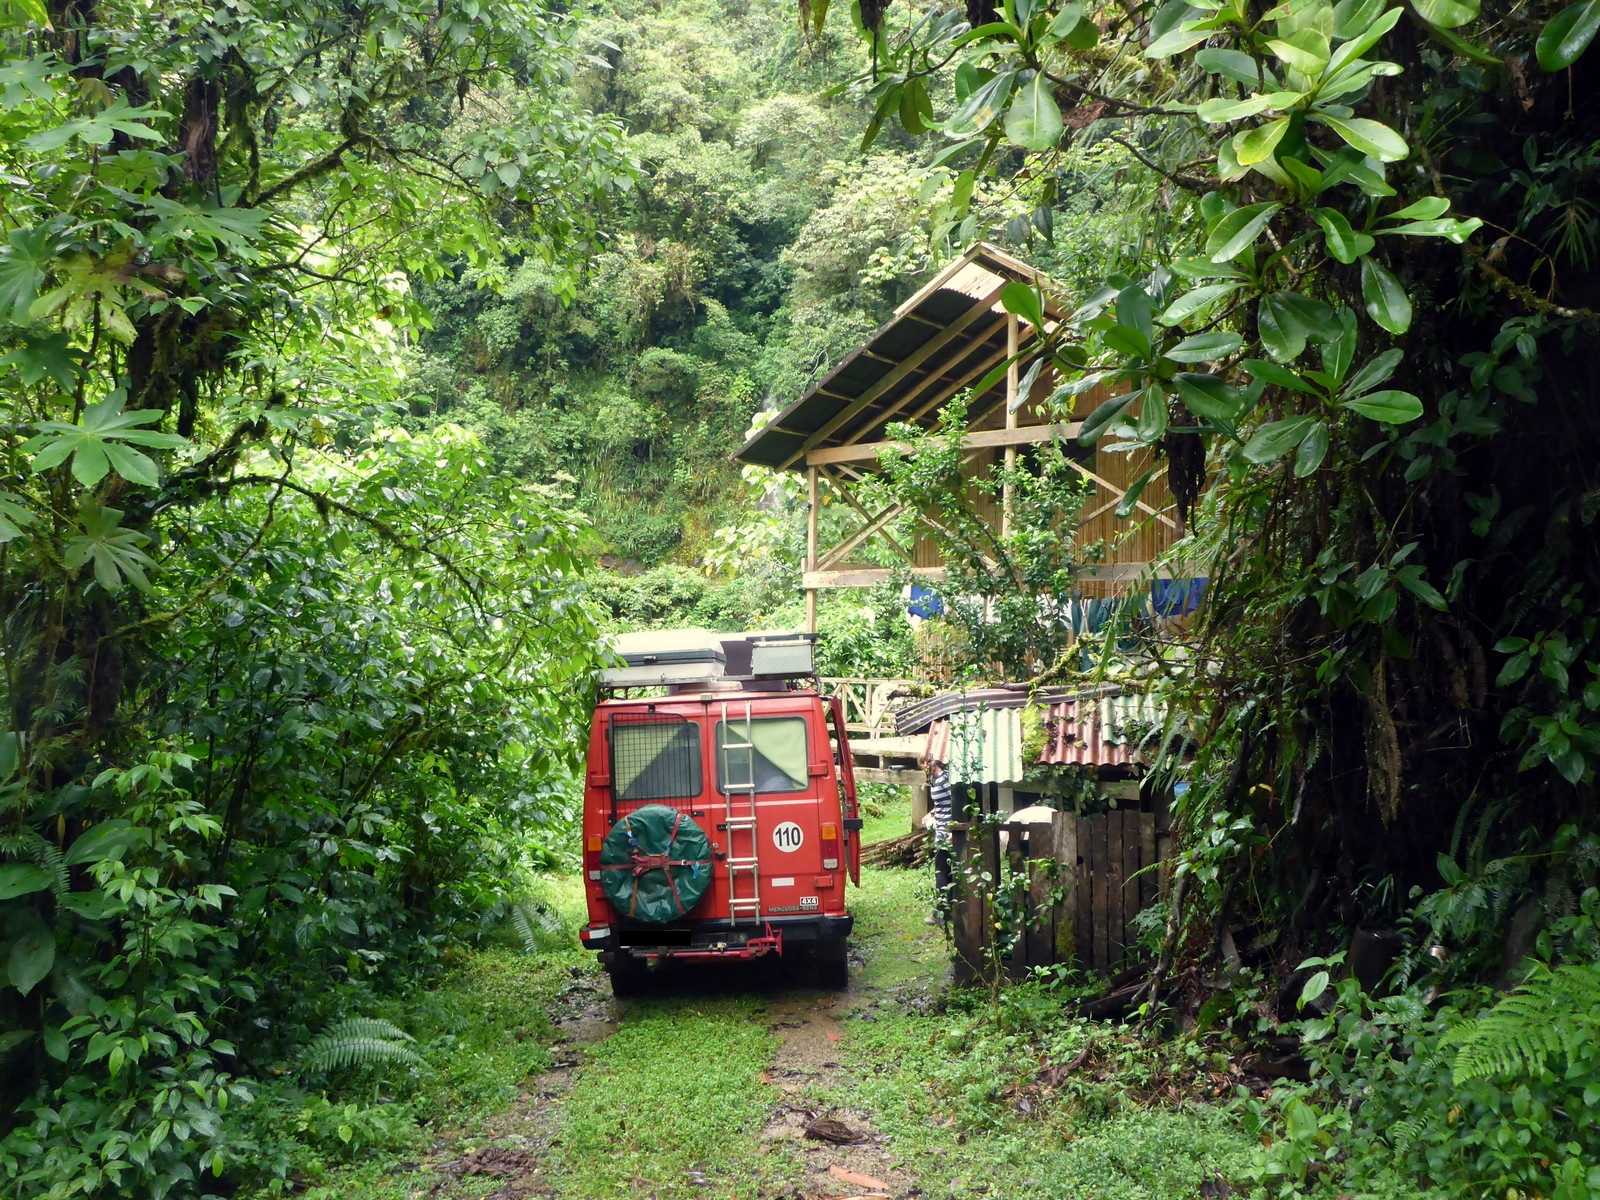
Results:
x,y
1069,893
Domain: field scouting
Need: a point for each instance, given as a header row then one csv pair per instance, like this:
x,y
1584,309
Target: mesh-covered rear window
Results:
x,y
654,756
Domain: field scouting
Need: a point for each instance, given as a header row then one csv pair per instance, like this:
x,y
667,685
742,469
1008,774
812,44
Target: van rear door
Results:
x,y
847,788
776,751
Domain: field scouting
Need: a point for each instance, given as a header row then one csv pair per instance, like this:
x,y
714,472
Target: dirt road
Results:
x,y
728,1082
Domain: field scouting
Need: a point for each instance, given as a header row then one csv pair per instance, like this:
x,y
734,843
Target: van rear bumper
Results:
x,y
709,940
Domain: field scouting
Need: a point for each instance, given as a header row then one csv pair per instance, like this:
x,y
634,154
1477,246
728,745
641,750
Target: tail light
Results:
x,y
591,858
830,847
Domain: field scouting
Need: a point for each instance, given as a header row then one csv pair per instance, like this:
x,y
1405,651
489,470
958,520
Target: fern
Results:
x,y
1405,1133
1554,1014
361,1042
48,855
524,928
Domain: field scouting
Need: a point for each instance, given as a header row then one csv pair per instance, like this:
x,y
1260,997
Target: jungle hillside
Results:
x,y
364,365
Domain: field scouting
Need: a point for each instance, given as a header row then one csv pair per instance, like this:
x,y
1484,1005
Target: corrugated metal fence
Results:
x,y
1066,891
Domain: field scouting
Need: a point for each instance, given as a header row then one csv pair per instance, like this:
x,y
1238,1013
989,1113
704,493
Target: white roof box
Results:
x,y
664,656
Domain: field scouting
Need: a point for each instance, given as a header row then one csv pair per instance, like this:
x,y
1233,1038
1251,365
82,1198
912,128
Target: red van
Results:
x,y
719,818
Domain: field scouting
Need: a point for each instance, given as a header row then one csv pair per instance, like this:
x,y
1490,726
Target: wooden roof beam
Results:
x,y
911,362
867,452
860,577
946,392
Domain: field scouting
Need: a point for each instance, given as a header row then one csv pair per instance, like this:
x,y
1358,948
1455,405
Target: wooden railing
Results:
x,y
868,708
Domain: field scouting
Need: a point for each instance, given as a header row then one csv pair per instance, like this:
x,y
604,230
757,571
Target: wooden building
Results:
x,y
946,338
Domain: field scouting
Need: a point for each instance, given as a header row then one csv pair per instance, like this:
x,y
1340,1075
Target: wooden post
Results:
x,y
811,545
1039,940
989,864
1006,497
1065,828
1130,880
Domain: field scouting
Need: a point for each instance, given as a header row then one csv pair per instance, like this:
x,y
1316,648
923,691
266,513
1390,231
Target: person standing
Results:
x,y
940,814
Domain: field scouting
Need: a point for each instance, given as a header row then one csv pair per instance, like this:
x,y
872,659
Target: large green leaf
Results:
x,y
23,265
1344,242
26,10
1204,347
1372,138
1446,227
1235,232
1387,302
1235,64
1272,373
1306,51
97,129
1373,373
1421,210
1567,35
980,109
1394,407
1220,110
1176,41
1073,26
1209,398
91,444
1364,33
1103,415
1273,441
1024,301
31,954
1256,145
15,516
117,553
50,356
1313,449
1190,303
22,879
1034,119
102,841
1446,14
1286,321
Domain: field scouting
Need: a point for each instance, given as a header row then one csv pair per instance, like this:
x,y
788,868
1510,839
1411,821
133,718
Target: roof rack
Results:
x,y
678,657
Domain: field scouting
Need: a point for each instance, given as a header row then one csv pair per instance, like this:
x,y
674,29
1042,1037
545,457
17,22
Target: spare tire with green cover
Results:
x,y
655,864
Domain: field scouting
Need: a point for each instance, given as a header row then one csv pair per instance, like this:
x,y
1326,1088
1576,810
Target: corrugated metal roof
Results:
x,y
919,714
959,310
1099,731
1099,728
984,746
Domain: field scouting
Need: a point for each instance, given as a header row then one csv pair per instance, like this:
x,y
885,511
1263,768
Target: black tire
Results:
x,y
629,976
830,964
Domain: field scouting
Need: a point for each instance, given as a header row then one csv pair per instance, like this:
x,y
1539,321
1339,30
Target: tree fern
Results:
x,y
1554,1014
360,1042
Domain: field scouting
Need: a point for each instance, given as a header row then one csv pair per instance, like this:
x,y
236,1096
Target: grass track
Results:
x,y
672,1104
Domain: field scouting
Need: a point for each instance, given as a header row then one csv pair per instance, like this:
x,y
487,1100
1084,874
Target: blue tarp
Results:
x,y
1176,597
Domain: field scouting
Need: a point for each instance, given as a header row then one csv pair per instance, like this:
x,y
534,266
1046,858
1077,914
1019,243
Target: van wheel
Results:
x,y
831,962
629,976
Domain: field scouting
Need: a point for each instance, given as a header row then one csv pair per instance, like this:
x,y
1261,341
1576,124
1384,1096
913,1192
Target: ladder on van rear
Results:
x,y
739,798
